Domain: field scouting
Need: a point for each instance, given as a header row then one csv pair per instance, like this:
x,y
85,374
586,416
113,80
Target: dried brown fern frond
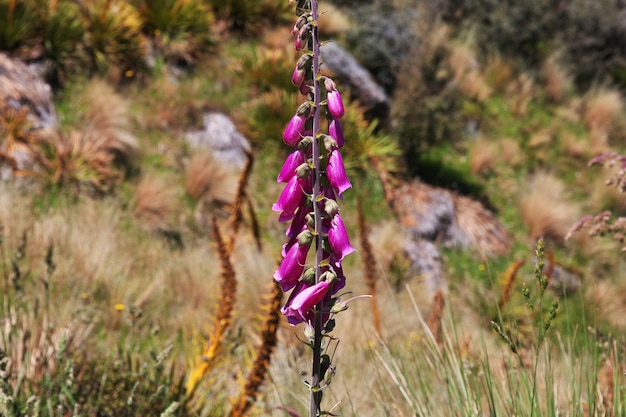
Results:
x,y
508,279
258,372
226,304
369,264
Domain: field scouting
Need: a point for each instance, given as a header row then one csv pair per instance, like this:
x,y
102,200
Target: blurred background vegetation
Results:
x,y
111,276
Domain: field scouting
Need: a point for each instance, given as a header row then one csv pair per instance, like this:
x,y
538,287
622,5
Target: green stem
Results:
x,y
316,395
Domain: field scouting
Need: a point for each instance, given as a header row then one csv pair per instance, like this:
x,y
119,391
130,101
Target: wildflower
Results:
x,y
290,269
335,130
336,173
295,159
293,131
290,199
303,300
338,238
335,104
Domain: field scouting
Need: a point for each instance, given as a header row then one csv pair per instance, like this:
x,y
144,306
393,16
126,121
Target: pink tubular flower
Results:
x,y
293,131
293,161
336,173
301,302
335,104
290,269
289,199
298,75
338,238
335,130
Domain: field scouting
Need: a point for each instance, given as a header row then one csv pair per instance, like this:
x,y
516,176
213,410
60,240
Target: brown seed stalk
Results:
x,y
236,215
434,322
258,372
226,304
508,280
369,263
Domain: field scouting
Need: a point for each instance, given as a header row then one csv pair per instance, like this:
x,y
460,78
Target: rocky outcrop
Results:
x,y
221,137
437,214
26,112
362,87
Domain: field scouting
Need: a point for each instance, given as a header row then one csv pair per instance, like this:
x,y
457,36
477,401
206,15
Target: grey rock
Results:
x,y
22,90
221,137
361,84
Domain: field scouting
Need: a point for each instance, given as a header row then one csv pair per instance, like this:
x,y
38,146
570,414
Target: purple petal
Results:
x,y
289,167
335,104
292,266
335,130
338,238
289,199
303,301
298,75
336,173
293,131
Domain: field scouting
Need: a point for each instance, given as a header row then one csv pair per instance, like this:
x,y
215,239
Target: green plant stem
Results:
x,y
315,399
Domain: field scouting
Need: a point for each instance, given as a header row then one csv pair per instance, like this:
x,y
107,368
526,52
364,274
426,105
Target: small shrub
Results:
x,y
63,36
381,38
181,29
20,24
114,42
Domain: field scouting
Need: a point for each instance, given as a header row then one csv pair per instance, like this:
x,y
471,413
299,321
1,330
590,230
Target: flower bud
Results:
x,y
305,238
305,89
335,130
297,78
291,267
293,131
309,332
303,170
338,238
309,275
336,173
331,207
335,104
304,109
329,84
293,161
305,143
298,25
329,142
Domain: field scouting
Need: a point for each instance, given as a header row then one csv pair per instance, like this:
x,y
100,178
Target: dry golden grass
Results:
x,y
520,93
108,121
500,71
573,145
207,179
511,153
467,73
479,229
558,81
546,208
156,203
333,22
541,137
484,154
603,107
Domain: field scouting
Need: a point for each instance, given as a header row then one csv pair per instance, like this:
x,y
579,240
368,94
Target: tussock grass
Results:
x,y
547,209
